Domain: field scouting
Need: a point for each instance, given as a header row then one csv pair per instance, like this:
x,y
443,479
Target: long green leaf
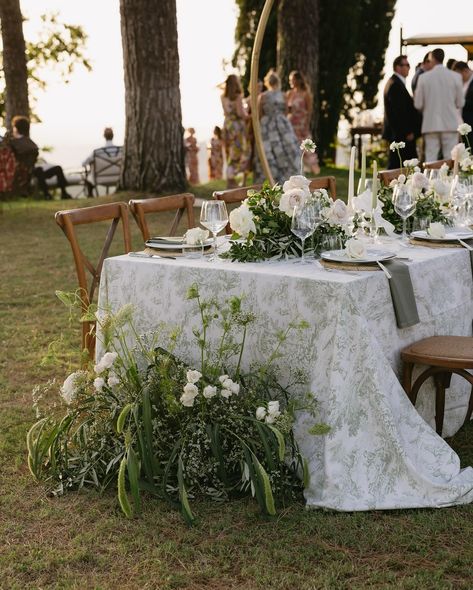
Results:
x,y
266,444
133,477
185,507
268,492
122,495
146,416
281,442
213,432
305,473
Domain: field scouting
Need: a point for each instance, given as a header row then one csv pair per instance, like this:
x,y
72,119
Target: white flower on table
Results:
x,y
190,393
193,376
401,179
436,230
459,152
308,146
209,391
355,248
337,213
419,181
464,129
105,362
466,164
242,220
292,198
441,190
399,145
196,236
70,386
411,163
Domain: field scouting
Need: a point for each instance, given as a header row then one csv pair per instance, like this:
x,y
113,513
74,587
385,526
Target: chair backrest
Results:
x,y
387,175
437,164
67,220
180,203
106,165
234,195
327,182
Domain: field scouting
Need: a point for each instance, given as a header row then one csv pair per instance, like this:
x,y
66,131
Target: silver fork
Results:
x,y
384,269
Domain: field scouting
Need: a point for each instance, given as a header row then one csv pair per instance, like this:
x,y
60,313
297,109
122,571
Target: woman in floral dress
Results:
x,y
215,151
234,129
299,103
279,140
191,147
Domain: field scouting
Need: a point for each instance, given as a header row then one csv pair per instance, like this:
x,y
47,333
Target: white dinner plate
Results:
x,y
171,243
372,255
452,235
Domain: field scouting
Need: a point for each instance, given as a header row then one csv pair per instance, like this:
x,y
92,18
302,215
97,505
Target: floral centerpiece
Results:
x,y
262,224
145,420
461,153
432,196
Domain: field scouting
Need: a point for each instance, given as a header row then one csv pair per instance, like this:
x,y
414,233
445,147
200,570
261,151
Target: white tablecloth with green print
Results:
x,y
381,452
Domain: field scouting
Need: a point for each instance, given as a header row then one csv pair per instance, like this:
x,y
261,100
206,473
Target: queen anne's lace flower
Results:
x,y
399,145
464,129
308,145
69,387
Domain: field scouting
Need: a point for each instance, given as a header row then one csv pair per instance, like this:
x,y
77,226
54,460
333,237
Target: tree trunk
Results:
x,y
154,149
298,46
14,60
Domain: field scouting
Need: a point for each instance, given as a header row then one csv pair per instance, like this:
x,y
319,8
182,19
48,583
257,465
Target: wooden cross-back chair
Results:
x,y
387,175
67,220
329,183
437,164
182,203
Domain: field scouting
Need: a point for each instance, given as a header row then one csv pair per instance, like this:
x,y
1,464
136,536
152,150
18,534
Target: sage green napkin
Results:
x,y
402,294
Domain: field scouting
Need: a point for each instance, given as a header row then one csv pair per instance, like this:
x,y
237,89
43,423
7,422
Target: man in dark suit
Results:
x,y
467,113
401,119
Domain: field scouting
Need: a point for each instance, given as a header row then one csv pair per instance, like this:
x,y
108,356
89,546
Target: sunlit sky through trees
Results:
x,y
74,115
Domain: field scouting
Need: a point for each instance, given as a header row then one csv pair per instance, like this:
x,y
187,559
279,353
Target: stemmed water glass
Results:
x,y
405,205
214,217
305,219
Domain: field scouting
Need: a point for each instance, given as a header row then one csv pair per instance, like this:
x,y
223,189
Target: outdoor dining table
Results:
x,y
381,452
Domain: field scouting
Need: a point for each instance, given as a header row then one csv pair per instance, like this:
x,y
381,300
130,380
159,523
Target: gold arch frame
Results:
x,y
263,21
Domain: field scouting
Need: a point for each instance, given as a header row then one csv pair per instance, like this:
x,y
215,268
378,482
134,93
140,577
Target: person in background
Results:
x,y
235,136
109,149
467,112
299,104
26,153
401,120
192,162
280,142
425,66
439,96
215,151
451,63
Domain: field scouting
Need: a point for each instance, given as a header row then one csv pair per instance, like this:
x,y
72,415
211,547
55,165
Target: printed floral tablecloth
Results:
x,y
381,453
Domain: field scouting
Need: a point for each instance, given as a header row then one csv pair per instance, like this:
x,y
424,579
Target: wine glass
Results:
x,y
305,219
405,205
214,217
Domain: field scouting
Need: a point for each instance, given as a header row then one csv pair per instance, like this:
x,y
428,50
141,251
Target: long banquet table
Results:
x,y
381,452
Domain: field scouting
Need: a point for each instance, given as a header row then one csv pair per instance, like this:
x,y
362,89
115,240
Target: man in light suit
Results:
x,y
467,113
439,96
401,120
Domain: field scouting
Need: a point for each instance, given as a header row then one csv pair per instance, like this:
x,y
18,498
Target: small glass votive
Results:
x,y
193,251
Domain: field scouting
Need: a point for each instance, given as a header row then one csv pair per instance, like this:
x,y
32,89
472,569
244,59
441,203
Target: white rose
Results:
x,y
195,235
273,407
191,389
105,362
231,385
419,181
209,391
223,378
69,387
458,151
355,248
226,393
99,383
464,129
242,221
270,419
441,189
337,213
297,181
289,200
193,376
112,380
261,413
187,400
436,230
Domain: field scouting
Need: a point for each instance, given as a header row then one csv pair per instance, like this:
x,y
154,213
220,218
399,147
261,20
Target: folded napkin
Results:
x,y
402,294
167,240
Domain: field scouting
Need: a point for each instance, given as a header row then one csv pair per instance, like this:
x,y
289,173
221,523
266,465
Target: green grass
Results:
x,y
82,540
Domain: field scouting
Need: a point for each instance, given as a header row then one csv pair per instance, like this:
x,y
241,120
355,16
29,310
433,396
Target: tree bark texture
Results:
x,y
14,60
154,149
298,45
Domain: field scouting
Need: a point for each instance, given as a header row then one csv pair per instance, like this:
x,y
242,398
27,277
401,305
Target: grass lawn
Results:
x,y
82,540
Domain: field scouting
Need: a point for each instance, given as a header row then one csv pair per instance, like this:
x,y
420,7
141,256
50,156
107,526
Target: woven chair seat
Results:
x,y
441,351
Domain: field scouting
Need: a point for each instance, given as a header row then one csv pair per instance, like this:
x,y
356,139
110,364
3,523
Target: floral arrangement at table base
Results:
x,y
146,421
